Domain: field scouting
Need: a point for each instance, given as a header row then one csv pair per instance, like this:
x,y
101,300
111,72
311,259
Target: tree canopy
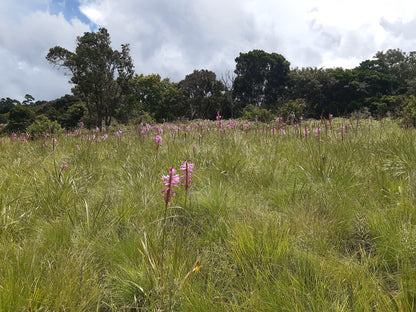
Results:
x,y
101,75
261,78
263,86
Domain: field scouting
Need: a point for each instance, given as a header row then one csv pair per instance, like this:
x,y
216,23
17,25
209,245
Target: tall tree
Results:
x,y
157,96
261,78
203,93
101,75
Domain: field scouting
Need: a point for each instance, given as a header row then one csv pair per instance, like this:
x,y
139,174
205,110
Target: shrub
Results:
x,y
73,115
408,112
20,118
251,113
296,107
42,125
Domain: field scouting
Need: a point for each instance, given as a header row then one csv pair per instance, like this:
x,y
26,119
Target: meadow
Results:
x,y
316,216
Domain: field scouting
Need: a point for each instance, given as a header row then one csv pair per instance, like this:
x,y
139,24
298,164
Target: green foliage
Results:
x,y
6,105
143,118
154,95
408,112
20,118
261,78
73,115
101,75
43,125
203,94
4,118
261,114
289,108
386,104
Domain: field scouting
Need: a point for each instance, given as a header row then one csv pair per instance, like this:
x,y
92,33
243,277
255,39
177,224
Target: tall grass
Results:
x,y
272,221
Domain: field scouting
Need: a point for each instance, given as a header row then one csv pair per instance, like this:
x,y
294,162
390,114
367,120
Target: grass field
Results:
x,y
277,218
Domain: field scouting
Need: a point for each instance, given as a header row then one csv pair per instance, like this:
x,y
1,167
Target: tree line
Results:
x,y
106,89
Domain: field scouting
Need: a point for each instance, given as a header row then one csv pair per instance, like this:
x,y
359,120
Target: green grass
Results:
x,y
272,222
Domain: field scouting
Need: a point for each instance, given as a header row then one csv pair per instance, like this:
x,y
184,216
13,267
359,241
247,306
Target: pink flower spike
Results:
x,y
171,180
186,177
158,140
63,166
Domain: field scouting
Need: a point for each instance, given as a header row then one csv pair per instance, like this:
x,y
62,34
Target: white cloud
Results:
x,y
23,49
173,38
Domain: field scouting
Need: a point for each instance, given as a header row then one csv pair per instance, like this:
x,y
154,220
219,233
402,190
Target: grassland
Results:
x,y
274,220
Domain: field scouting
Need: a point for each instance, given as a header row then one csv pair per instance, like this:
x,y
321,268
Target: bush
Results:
x,y
251,113
20,118
43,125
408,112
144,118
296,107
73,116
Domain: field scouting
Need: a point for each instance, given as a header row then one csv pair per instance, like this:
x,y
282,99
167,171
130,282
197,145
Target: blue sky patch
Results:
x,y
70,10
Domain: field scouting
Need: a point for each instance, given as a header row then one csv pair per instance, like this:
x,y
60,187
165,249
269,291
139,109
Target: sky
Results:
x,y
174,37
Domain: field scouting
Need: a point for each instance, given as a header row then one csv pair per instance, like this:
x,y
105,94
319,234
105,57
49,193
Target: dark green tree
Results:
x,y
101,75
6,104
261,78
21,117
204,94
29,100
156,96
313,85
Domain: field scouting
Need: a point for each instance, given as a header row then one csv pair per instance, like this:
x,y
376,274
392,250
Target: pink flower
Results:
x,y
218,116
63,166
119,134
77,147
186,177
171,180
158,140
283,132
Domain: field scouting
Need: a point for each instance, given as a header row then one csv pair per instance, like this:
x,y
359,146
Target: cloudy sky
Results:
x,y
174,37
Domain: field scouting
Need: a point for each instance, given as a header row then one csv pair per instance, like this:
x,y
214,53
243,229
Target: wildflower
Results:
x,y
54,143
283,132
44,144
186,177
158,140
218,115
105,136
81,124
171,180
317,133
119,134
14,135
77,147
63,166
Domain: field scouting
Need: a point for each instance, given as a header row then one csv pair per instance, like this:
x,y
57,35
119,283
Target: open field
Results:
x,y
276,218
